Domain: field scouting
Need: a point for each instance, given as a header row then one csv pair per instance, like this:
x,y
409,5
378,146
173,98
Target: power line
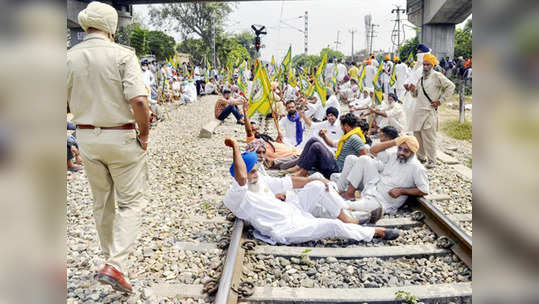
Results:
x,y
371,36
396,32
352,32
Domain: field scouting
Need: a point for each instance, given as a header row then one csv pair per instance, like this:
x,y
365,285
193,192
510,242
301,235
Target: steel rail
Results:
x,y
225,283
444,226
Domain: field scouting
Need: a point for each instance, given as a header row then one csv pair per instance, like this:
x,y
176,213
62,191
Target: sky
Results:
x,y
325,18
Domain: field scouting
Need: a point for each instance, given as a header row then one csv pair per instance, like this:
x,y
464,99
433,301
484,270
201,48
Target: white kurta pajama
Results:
x,y
378,176
292,221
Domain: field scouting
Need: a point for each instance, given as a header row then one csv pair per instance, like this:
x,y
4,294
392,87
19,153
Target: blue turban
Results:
x,y
250,159
423,48
332,110
393,96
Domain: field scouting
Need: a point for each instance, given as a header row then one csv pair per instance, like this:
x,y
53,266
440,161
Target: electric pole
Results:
x,y
371,36
352,32
337,42
306,31
396,33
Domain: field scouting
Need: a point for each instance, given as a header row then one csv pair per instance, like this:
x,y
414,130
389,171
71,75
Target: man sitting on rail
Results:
x,y
387,180
252,197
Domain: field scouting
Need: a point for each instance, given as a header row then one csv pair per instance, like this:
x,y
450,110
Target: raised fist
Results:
x,y
229,142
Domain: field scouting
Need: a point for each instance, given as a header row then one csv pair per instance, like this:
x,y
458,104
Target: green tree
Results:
x,y
306,61
139,40
161,45
409,46
331,54
199,18
228,48
246,39
195,47
463,40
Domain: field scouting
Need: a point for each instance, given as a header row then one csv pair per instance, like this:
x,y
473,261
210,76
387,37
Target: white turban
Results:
x,y
100,16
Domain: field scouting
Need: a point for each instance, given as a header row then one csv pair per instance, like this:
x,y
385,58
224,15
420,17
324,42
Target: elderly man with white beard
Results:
x,y
253,198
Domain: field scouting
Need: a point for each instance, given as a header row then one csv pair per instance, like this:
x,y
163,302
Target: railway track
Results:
x,y
346,272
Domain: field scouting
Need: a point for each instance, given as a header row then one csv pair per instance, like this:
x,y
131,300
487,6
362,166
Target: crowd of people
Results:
x,y
368,132
341,164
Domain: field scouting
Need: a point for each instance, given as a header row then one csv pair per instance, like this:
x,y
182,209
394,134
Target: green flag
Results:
x,y
287,60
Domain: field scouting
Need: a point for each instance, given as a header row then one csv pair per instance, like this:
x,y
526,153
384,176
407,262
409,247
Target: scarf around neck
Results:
x,y
345,137
299,127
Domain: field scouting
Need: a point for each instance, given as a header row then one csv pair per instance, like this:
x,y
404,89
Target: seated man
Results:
x,y
292,126
73,151
316,156
388,180
331,127
341,179
252,197
225,105
211,87
392,114
360,106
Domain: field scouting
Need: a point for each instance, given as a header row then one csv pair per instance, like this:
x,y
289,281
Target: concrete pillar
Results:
x,y
440,38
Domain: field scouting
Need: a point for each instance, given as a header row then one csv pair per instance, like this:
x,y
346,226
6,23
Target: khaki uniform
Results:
x,y
425,117
101,79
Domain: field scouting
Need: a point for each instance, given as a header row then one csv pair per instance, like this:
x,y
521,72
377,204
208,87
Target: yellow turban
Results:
x,y
100,16
410,141
430,59
396,58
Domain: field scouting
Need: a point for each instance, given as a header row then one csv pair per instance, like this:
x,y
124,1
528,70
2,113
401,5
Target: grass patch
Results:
x,y
461,131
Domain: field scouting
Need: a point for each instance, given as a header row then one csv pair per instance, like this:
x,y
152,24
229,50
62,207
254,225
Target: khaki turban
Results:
x,y
100,16
430,59
410,141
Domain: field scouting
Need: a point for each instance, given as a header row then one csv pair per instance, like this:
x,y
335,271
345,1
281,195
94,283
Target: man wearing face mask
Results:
x,y
431,90
108,100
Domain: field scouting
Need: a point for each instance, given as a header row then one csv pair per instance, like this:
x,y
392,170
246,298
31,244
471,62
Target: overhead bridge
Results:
x,y
437,19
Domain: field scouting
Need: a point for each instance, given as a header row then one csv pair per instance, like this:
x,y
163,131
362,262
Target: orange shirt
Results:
x,y
281,150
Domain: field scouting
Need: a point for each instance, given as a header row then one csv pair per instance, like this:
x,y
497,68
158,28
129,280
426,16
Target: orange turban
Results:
x,y
410,141
387,57
430,59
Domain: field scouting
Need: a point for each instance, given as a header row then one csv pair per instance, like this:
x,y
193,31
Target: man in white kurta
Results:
x,y
391,114
370,72
341,71
401,72
332,126
387,70
360,106
386,181
289,128
252,197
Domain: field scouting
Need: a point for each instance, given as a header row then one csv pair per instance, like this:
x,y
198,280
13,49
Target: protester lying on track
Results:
x,y
316,156
386,180
252,197
274,155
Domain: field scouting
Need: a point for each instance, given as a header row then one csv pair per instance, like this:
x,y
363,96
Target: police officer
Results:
x,y
106,95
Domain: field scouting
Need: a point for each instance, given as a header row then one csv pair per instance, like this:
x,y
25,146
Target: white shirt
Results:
x,y
209,88
290,93
267,214
359,103
370,72
334,132
288,130
148,78
396,116
341,71
394,174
